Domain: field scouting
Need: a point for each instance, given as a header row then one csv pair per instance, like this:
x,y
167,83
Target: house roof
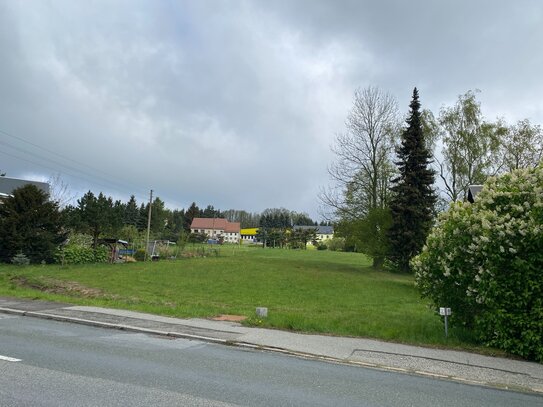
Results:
x,y
321,230
216,224
249,231
7,185
473,190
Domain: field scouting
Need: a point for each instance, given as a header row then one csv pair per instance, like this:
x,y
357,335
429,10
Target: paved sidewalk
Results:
x,y
446,364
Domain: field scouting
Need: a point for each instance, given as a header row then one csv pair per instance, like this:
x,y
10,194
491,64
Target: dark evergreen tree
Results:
x,y
158,217
30,224
413,201
301,219
210,212
131,213
117,214
94,213
143,214
192,212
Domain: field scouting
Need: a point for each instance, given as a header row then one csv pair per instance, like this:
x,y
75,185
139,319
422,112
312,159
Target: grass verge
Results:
x,y
308,291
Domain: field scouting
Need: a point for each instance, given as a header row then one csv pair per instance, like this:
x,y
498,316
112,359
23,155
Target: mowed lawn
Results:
x,y
309,291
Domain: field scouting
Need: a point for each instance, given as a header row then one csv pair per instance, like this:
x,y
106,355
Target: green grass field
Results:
x,y
309,291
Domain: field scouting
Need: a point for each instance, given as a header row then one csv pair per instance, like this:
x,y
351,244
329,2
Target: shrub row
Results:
x,y
485,261
76,254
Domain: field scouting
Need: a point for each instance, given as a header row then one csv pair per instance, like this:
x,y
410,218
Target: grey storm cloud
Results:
x,y
235,104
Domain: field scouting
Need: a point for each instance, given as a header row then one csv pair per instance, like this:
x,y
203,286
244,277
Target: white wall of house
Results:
x,y
229,237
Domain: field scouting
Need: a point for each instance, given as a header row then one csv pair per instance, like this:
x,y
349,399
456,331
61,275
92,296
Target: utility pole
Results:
x,y
148,223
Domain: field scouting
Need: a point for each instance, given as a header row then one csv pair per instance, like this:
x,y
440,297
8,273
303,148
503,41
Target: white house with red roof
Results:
x,y
215,228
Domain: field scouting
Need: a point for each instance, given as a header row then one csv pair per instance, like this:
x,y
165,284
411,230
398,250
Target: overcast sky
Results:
x,y
236,103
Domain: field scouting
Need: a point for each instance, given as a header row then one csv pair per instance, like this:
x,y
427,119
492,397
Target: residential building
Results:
x,y
216,228
8,185
323,232
248,235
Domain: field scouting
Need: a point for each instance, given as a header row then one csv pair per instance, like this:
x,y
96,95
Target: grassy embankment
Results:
x,y
310,291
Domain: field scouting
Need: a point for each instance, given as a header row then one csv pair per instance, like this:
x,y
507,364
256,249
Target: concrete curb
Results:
x,y
255,346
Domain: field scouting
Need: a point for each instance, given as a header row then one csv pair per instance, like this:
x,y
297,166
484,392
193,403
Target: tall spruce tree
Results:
x,y
413,200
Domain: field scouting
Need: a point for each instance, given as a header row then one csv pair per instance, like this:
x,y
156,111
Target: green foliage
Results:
x,y
197,238
301,219
470,145
20,260
322,246
139,255
336,244
192,212
97,215
301,235
30,224
368,234
81,254
522,146
130,233
182,239
484,260
413,200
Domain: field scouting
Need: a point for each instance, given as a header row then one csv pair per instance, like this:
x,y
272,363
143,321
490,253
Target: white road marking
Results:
x,y
8,359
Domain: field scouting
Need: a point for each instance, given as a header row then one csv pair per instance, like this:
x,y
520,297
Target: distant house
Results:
x,y
216,228
8,185
323,232
248,235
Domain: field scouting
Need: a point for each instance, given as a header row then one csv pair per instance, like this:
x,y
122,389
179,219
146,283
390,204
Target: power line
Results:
x,y
52,161
53,152
94,178
93,181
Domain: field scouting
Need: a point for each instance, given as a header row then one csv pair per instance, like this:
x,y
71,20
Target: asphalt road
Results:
x,y
64,364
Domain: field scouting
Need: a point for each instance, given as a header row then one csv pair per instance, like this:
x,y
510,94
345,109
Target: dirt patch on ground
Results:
x,y
52,286
231,318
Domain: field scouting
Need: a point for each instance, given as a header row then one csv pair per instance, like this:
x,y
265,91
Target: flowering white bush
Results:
x,y
485,261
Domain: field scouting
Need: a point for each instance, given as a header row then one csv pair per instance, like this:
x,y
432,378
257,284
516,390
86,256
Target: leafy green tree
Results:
x,y
300,236
368,235
470,146
522,146
262,235
413,201
130,233
277,237
246,219
30,224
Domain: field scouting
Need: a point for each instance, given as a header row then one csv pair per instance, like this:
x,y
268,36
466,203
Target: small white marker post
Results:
x,y
445,312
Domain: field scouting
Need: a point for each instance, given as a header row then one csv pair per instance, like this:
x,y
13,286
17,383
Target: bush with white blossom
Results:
x,y
485,261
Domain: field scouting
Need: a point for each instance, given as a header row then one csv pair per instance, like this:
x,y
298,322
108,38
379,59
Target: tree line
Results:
x,y
34,225
388,181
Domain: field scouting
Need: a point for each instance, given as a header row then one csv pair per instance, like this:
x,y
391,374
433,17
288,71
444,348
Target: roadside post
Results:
x,y
445,312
